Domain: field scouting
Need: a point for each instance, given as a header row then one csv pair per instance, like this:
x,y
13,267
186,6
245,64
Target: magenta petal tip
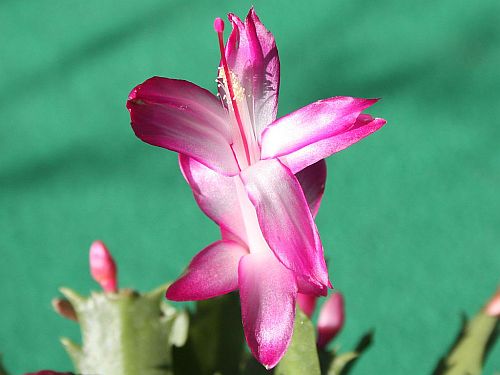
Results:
x,y
133,93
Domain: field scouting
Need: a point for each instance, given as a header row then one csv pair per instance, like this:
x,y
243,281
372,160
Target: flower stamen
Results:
x,y
219,29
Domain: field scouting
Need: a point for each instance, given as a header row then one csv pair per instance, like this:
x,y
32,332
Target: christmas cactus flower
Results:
x,y
259,178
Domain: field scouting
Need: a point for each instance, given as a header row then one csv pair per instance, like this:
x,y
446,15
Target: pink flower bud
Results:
x,y
307,303
102,267
331,319
493,306
48,372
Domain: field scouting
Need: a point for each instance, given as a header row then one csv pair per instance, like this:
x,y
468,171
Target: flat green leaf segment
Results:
x,y
301,356
216,344
126,333
468,353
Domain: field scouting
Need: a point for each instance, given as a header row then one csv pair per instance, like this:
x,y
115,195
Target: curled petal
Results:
x,y
311,287
300,159
331,319
267,293
312,180
252,56
326,119
307,303
183,117
316,121
215,194
211,273
285,219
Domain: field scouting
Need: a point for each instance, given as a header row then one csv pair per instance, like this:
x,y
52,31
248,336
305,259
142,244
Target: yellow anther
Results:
x,y
238,90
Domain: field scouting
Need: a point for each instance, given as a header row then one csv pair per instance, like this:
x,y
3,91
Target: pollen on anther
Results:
x,y
238,90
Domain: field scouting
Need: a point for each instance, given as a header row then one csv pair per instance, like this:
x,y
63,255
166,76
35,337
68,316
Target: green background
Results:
x,y
411,216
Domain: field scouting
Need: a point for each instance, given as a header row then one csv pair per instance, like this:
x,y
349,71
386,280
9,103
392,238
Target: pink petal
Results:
x,y
183,117
312,287
307,303
230,236
215,194
313,123
312,180
285,219
316,121
267,293
331,319
252,55
300,159
211,273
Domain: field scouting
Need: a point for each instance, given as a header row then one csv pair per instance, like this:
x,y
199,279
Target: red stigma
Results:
x,y
219,25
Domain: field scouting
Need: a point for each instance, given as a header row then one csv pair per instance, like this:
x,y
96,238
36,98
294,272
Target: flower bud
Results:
x,y
64,308
493,306
307,303
48,372
331,319
102,267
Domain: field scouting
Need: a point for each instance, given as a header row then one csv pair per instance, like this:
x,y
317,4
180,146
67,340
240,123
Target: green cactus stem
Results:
x,y
125,333
301,356
216,342
471,347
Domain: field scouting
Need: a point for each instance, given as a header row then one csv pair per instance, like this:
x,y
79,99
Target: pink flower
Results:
x,y
102,266
260,179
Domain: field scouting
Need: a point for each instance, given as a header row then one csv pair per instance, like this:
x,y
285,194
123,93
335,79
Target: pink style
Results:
x,y
259,178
